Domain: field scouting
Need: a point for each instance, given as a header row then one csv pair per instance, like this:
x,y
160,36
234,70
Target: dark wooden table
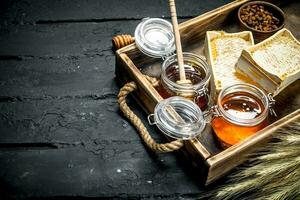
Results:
x,y
61,132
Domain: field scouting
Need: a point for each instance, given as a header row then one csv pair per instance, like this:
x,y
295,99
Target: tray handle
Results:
x,y
138,124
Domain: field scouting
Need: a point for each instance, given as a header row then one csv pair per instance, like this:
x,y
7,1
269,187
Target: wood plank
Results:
x,y
86,120
61,40
119,170
39,78
26,11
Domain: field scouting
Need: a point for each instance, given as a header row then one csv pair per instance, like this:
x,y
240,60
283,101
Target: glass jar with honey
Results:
x,y
154,37
196,70
241,111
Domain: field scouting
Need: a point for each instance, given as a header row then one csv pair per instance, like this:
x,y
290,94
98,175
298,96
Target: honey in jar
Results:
x,y
241,111
196,70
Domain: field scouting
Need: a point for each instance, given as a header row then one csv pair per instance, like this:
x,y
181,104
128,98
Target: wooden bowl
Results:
x,y
260,35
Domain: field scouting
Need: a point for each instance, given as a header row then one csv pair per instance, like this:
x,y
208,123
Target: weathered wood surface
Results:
x,y
26,11
61,134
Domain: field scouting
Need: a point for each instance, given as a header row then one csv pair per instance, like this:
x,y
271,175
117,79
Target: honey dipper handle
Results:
x,y
177,40
120,41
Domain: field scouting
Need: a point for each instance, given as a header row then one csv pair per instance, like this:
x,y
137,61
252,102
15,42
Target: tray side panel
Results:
x,y
125,72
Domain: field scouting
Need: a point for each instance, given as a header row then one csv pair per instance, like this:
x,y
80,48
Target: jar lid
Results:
x,y
154,37
178,118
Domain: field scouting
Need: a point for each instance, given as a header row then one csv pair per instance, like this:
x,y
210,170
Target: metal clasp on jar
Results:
x,y
164,57
214,110
151,119
203,92
271,104
211,113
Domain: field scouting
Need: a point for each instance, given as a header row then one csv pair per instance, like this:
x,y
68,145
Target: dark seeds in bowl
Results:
x,y
260,18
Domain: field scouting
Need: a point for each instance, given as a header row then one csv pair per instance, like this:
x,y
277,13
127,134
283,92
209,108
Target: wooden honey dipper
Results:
x,y
120,41
182,75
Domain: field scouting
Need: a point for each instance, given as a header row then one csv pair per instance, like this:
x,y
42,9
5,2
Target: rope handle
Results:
x,y
138,124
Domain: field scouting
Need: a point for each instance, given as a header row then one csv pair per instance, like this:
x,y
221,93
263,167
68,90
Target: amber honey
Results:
x,y
240,115
196,70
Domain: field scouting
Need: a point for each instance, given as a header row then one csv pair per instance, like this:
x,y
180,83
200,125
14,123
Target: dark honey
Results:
x,y
193,74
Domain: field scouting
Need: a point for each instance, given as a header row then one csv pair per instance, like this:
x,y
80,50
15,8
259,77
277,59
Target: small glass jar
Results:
x,y
178,117
154,37
241,111
196,70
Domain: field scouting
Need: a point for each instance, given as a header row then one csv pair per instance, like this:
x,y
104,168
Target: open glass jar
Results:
x,y
178,118
154,37
196,70
241,111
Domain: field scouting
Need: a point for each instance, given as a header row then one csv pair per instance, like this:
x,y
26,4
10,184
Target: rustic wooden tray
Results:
x,y
204,152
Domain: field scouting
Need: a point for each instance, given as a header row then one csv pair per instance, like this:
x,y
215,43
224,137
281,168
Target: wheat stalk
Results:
x,y
272,173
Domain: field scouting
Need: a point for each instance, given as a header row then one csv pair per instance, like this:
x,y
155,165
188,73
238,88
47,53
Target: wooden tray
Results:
x,y
204,152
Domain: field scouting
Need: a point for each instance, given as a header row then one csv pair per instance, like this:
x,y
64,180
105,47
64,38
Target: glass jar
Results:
x,y
196,70
178,118
154,37
241,111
